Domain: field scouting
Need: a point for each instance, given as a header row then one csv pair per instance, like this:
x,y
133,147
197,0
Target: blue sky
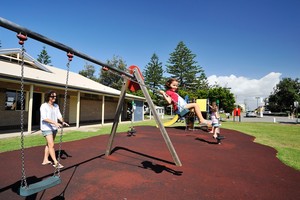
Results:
x,y
248,41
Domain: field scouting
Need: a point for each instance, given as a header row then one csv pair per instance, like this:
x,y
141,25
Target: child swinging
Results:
x,y
178,103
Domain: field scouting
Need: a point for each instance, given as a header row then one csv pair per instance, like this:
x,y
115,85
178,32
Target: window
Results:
x,y
13,100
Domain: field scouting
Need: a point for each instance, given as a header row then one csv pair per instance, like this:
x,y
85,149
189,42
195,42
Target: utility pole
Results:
x,y
257,101
296,105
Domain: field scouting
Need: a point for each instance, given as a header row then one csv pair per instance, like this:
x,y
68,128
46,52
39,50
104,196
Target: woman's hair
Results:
x,y
48,94
168,83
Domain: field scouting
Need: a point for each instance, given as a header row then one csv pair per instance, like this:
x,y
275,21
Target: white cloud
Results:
x,y
246,90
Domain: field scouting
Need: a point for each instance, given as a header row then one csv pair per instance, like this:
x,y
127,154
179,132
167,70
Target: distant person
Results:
x,y
14,105
50,116
172,97
227,115
214,116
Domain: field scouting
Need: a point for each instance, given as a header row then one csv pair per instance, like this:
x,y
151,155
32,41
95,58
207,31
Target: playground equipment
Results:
x,y
217,129
177,116
189,115
25,189
237,113
136,83
132,131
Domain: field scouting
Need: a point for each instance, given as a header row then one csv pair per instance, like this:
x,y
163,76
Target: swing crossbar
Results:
x,y
36,36
39,186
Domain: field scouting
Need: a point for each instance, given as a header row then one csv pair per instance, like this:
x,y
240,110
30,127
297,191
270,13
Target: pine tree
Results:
x,y
202,82
183,67
153,73
43,57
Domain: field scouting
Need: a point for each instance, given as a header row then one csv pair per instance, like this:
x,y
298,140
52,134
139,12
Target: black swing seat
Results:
x,y
39,186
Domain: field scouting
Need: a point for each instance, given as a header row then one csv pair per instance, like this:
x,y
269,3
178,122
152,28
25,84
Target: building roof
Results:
x,y
14,54
37,73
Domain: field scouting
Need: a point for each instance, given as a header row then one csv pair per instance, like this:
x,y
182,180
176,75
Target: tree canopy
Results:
x,y
223,97
111,79
286,92
89,71
182,65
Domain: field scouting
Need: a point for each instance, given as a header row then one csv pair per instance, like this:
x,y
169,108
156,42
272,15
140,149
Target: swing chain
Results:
x,y
22,38
70,57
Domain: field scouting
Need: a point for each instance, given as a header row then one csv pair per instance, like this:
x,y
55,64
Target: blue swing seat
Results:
x,y
39,186
183,112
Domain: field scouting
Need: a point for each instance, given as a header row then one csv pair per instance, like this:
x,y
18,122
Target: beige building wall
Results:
x,y
90,107
73,109
90,110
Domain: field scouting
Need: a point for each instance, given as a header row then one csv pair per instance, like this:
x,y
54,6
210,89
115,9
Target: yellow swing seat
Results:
x,y
176,117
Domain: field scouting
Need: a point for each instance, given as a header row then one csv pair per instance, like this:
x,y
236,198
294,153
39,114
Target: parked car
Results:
x,y
266,112
251,114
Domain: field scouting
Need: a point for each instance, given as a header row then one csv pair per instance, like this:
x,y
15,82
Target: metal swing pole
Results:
x,y
140,82
17,28
157,119
117,116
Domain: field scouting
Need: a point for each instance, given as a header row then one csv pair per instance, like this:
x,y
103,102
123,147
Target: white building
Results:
x,y
87,101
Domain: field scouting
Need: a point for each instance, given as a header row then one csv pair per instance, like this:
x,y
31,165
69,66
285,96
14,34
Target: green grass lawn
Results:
x,y
285,138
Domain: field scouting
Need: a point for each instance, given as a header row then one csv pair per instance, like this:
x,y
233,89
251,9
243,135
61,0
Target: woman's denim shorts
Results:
x,y
49,132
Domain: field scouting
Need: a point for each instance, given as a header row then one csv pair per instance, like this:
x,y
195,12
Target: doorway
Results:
x,y
37,101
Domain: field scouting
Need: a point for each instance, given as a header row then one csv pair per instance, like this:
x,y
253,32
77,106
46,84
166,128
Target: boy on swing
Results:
x,y
172,97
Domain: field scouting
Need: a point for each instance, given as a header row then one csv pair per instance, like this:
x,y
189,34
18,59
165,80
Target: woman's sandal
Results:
x,y
58,166
47,163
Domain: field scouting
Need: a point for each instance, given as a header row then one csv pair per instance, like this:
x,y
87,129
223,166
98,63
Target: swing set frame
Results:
x,y
137,80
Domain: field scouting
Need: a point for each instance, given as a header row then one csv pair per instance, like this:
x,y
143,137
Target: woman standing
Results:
x,y
50,118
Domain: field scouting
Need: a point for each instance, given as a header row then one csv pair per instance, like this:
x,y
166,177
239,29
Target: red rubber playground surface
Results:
x,y
141,167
